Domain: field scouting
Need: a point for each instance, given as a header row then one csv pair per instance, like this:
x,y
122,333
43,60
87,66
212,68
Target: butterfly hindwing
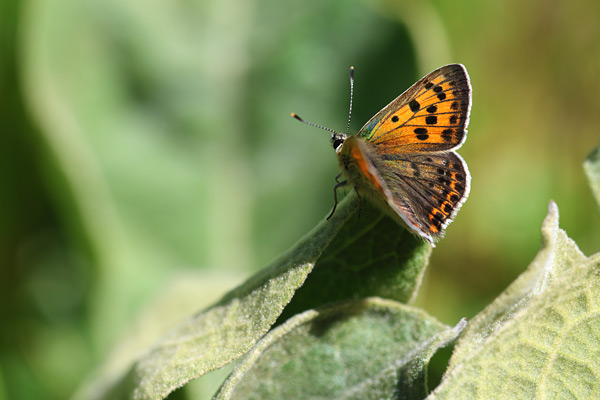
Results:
x,y
430,116
428,189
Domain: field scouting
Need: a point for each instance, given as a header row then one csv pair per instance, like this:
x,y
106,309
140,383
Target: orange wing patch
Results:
x,y
430,116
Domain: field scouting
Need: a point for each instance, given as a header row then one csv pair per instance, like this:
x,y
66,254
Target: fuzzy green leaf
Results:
x,y
592,168
540,338
362,349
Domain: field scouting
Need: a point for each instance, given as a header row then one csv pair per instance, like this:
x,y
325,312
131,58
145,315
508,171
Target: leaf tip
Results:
x,y
461,325
550,223
552,208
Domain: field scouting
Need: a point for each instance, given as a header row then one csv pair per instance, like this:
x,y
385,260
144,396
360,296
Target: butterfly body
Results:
x,y
403,159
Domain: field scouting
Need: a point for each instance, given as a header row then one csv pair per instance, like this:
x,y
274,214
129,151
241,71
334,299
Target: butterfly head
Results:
x,y
337,140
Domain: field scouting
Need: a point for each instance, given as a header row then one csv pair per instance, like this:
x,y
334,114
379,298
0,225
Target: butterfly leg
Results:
x,y
335,188
337,177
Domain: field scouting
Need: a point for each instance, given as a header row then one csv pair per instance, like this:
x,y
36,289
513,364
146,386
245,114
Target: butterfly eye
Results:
x,y
337,141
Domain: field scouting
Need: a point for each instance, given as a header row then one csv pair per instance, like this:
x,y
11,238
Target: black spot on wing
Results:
x,y
414,105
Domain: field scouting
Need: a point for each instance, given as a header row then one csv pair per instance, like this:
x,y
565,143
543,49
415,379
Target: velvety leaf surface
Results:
x,y
362,349
540,338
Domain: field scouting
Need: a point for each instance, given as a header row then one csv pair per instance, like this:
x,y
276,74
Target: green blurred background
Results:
x,y
148,159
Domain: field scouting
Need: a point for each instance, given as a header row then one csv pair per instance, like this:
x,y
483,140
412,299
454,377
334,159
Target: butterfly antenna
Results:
x,y
351,95
294,115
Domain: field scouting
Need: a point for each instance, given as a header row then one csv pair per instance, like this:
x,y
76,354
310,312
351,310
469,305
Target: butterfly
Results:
x,y
404,158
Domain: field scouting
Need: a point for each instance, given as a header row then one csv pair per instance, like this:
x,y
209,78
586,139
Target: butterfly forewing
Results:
x,y
430,116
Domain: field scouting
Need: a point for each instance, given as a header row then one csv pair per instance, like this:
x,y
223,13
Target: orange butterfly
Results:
x,y
403,158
